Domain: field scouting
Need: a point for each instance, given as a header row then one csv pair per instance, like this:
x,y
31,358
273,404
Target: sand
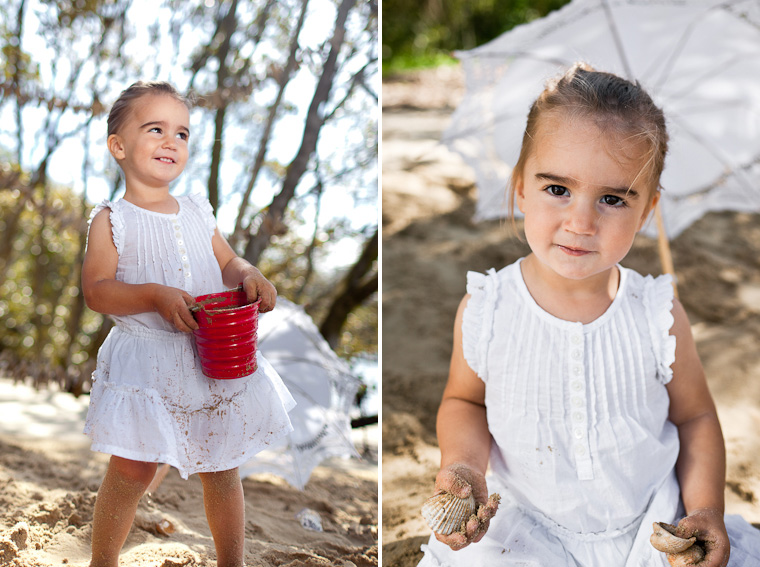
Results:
x,y
430,242
49,479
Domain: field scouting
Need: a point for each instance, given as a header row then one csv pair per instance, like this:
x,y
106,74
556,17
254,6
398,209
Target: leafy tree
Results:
x,y
245,58
45,333
414,31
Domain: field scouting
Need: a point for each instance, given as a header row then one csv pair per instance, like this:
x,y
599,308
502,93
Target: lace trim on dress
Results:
x,y
117,222
477,320
206,210
658,302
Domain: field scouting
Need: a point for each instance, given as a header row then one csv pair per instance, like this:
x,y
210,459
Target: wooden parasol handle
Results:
x,y
663,245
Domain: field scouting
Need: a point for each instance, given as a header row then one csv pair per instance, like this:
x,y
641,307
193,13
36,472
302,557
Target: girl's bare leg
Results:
x,y
115,507
225,511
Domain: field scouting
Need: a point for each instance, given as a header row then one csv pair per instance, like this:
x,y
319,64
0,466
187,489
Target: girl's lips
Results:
x,y
165,160
573,251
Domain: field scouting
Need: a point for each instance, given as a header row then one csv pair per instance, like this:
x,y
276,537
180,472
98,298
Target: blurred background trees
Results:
x,y
284,144
425,33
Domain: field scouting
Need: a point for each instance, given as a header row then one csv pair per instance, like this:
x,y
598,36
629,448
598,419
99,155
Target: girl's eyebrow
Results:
x,y
628,192
162,124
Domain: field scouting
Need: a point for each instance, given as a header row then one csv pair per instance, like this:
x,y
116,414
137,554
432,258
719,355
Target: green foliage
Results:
x,y
59,87
360,332
409,62
285,263
15,64
417,34
68,12
40,293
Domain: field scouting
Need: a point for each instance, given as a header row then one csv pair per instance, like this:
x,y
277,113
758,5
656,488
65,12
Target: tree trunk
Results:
x,y
229,24
216,158
264,143
354,290
272,222
309,253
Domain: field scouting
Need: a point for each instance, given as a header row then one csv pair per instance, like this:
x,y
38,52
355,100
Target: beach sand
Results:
x,y
49,479
430,242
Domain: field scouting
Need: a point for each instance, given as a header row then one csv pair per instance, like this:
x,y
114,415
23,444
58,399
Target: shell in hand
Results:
x,y
681,552
692,556
445,513
664,539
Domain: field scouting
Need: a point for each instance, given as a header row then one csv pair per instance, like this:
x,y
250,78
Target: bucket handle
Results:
x,y
197,307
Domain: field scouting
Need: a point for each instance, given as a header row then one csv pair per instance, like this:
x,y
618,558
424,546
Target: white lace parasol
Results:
x,y
699,59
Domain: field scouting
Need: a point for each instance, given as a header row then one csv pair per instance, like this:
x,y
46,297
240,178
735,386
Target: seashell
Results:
x,y
445,513
164,527
692,556
664,539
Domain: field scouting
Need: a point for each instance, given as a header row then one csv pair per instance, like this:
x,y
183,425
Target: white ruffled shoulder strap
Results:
x,y
658,302
117,221
477,320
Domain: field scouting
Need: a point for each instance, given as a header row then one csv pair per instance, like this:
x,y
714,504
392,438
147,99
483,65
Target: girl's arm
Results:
x,y
701,465
236,270
104,294
464,439
462,428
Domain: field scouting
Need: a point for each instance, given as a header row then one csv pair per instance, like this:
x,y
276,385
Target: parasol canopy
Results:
x,y
321,383
698,59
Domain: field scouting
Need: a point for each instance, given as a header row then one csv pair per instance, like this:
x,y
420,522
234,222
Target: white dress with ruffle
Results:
x,y
583,454
150,400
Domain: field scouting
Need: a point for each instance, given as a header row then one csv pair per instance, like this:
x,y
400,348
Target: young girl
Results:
x,y
576,378
148,255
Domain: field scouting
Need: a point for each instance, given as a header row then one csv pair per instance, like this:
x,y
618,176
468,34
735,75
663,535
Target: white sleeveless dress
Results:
x,y
583,453
150,400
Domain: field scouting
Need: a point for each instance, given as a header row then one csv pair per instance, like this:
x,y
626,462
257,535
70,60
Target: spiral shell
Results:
x,y
664,539
445,513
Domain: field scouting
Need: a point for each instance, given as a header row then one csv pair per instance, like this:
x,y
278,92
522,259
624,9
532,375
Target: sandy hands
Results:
x,y
707,525
461,480
173,305
256,286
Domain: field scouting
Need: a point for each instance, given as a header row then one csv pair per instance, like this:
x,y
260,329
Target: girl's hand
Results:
x,y
708,527
257,286
462,480
174,305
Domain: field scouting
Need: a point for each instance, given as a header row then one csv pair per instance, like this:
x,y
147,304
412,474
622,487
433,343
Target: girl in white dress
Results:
x,y
576,379
148,255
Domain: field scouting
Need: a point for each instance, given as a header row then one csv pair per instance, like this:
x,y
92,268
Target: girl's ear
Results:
x,y
649,209
519,192
115,146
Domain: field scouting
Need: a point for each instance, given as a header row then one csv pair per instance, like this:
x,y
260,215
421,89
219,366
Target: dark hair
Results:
x,y
120,108
619,108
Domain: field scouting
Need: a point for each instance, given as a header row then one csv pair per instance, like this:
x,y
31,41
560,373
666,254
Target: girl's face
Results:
x,y
583,205
151,146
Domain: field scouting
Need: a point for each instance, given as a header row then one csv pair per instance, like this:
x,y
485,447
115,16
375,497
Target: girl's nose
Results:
x,y
581,218
169,142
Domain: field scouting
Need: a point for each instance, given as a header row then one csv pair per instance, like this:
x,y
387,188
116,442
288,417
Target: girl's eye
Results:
x,y
613,201
557,190
155,129
183,136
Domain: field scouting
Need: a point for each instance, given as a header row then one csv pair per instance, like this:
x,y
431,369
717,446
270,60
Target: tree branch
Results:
x,y
314,121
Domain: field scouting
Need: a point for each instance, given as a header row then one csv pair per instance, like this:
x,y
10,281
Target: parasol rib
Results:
x,y
618,41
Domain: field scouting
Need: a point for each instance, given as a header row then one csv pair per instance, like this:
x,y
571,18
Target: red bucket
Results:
x,y
226,337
